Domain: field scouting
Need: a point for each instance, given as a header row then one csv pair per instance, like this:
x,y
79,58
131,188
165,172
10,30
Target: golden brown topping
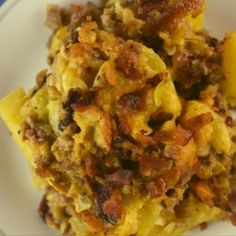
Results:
x,y
44,158
92,220
112,207
172,151
90,165
232,201
123,124
177,12
43,209
75,8
106,126
172,176
60,181
197,122
145,7
156,187
135,101
128,59
233,219
153,164
203,226
229,121
67,120
155,80
119,178
204,192
78,50
178,136
120,28
43,172
181,59
102,193
78,99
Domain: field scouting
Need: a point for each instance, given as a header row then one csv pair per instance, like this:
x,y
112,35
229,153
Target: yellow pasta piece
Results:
x,y
229,66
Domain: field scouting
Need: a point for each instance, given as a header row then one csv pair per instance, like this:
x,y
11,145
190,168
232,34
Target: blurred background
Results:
x,y
1,1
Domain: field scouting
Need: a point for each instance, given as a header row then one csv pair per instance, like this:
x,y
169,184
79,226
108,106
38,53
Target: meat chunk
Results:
x,y
35,131
81,13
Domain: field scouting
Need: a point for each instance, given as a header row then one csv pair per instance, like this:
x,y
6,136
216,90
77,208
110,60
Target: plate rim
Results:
x,y
4,10
6,7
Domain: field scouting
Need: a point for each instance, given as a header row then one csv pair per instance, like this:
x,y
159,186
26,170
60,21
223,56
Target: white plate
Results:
x,y
22,54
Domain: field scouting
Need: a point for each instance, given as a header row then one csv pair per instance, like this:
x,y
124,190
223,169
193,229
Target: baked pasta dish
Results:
x,y
130,132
